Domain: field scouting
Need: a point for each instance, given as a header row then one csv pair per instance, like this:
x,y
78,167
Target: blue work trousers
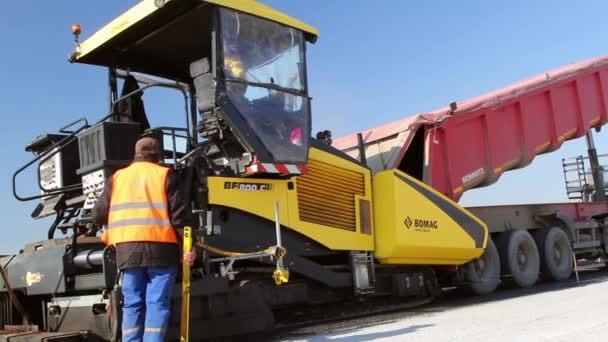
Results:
x,y
147,298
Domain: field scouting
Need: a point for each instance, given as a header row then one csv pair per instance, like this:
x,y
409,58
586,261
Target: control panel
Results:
x,y
51,174
92,186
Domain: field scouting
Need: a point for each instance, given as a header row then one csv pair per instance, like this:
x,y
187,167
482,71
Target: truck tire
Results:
x,y
483,274
519,257
555,251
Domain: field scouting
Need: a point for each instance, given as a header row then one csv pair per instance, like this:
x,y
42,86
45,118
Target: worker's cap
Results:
x,y
147,147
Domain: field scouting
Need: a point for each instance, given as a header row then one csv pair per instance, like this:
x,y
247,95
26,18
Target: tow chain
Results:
x,y
280,275
279,252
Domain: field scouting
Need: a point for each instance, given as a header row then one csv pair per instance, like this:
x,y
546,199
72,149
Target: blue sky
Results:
x,y
374,62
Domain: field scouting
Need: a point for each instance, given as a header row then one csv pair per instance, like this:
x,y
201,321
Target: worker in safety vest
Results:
x,y
142,208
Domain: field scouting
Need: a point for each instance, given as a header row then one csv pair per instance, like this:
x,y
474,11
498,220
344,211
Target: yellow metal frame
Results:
x,y
456,236
260,203
398,242
116,26
335,238
263,11
185,318
146,7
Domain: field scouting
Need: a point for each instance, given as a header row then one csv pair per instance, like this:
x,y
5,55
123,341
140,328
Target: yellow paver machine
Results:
x,y
282,220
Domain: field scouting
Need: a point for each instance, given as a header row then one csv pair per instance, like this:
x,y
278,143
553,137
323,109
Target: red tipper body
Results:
x,y
472,143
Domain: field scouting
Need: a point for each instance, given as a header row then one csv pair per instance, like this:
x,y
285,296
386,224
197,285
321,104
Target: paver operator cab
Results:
x,y
284,219
248,73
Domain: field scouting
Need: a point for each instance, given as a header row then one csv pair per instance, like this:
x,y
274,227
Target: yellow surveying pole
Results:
x,y
185,321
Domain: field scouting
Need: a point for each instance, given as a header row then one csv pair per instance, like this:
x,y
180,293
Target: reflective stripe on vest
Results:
x,y
138,205
139,209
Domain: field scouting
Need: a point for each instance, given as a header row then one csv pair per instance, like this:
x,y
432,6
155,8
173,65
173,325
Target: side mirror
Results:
x,y
200,71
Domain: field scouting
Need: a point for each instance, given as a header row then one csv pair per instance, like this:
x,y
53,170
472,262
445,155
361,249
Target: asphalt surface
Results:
x,y
564,311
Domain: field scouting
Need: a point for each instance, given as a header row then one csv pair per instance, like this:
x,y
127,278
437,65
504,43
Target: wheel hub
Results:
x,y
521,257
481,265
557,253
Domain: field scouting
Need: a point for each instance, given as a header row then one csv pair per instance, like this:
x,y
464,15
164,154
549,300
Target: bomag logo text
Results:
x,y
420,225
431,224
247,186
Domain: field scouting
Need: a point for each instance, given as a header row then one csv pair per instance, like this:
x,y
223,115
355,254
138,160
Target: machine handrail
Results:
x,y
60,145
51,151
64,128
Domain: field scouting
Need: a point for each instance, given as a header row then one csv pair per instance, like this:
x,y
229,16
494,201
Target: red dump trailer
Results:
x,y
470,144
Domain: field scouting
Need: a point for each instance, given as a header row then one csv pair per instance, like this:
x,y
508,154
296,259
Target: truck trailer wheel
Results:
x,y
519,257
555,254
483,274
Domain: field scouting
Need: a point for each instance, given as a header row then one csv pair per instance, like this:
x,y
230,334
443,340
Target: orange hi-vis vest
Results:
x,y
139,208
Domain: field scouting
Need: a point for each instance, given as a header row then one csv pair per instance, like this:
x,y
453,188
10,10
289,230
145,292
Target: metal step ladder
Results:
x,y
364,276
575,178
578,177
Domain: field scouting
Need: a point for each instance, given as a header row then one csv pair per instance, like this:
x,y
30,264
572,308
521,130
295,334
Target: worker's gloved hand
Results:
x,y
190,257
